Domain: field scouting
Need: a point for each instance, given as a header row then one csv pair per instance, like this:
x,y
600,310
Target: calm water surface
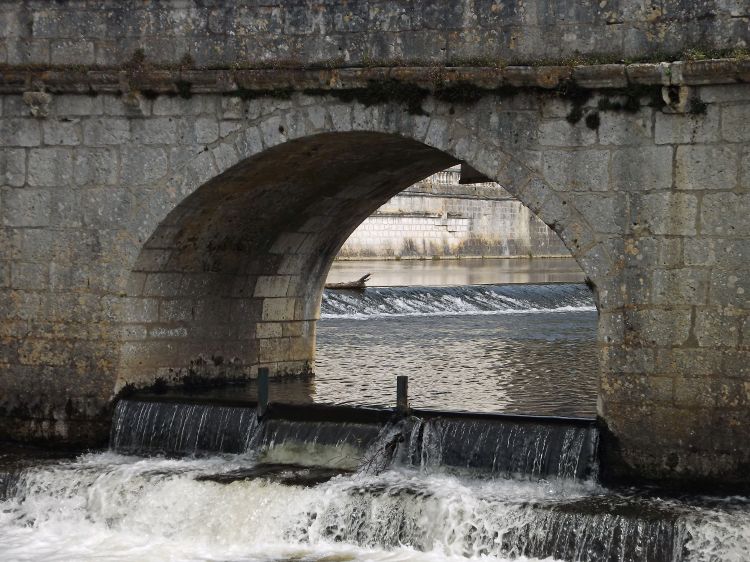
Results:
x,y
458,272
536,363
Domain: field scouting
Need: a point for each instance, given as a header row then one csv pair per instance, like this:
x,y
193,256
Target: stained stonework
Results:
x,y
171,222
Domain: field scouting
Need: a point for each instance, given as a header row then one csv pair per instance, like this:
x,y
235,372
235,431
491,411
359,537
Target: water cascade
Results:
x,y
211,482
467,299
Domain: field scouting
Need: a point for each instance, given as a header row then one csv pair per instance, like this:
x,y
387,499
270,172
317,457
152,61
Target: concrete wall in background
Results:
x,y
440,217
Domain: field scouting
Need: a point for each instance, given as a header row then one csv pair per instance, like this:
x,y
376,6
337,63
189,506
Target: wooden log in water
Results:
x,y
358,285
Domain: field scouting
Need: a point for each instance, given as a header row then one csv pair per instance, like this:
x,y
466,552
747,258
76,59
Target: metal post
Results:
x,y
402,395
262,391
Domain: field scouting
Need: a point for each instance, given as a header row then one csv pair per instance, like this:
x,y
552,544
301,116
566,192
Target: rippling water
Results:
x,y
511,348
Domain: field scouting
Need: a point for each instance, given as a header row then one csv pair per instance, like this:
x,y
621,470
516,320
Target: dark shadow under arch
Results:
x,y
236,270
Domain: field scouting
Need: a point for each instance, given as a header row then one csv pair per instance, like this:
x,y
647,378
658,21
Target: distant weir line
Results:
x,y
461,300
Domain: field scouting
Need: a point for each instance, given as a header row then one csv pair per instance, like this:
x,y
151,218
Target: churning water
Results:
x,y
186,481
410,489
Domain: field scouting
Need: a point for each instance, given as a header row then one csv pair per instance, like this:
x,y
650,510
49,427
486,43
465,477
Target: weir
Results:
x,y
311,477
371,439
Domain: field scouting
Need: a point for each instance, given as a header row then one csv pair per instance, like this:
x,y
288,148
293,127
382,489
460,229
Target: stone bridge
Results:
x,y
177,176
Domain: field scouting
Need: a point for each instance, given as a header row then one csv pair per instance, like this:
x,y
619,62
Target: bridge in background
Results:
x,y
176,178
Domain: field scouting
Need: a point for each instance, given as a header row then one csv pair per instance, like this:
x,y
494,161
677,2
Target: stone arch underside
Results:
x,y
236,269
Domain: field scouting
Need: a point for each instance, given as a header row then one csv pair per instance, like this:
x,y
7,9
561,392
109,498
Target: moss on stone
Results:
x,y
697,106
375,93
593,121
184,89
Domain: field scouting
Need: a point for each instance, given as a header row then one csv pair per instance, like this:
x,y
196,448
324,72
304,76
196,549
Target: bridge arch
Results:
x,y
242,234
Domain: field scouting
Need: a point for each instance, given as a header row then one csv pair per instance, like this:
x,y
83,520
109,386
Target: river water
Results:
x,y
193,481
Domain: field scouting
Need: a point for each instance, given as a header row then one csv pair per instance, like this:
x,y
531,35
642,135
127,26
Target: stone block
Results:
x,y
20,132
275,349
103,207
731,287
134,332
266,330
558,132
213,310
176,310
162,285
679,286
72,52
618,128
50,167
66,209
665,214
745,169
706,167
610,327
690,362
721,252
225,155
249,142
26,207
29,276
106,131
657,326
606,213
154,130
736,365
726,214
62,132
272,286
137,310
178,106
687,128
647,252
153,259
577,170
642,169
288,242
12,167
278,309
141,165
95,167
716,328
694,392
226,128
206,130
731,393
72,105
625,359
734,120
725,93
636,389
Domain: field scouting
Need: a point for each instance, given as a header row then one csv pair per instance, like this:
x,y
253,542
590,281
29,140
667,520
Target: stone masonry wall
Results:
x,y
452,221
115,263
358,32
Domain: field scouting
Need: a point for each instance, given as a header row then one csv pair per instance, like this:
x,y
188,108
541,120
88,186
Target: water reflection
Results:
x,y
542,363
458,272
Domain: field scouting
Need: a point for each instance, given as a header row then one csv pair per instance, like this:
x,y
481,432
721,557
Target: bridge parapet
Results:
x,y
360,32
